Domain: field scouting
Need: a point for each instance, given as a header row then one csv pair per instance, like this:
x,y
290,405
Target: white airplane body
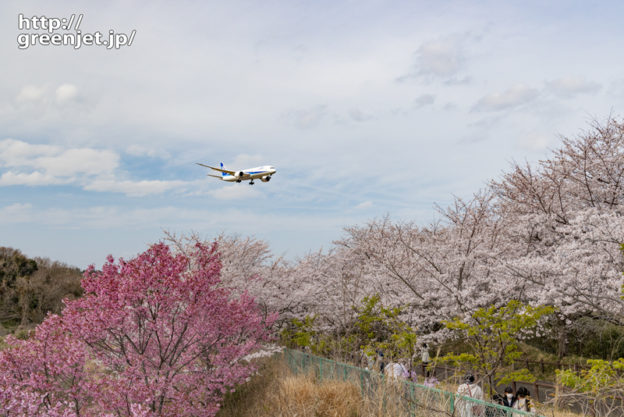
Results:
x,y
263,173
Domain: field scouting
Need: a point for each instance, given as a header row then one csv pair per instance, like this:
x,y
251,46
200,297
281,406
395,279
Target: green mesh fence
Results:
x,y
414,396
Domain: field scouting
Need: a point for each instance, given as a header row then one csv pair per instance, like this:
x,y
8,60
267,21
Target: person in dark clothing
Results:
x,y
508,398
381,364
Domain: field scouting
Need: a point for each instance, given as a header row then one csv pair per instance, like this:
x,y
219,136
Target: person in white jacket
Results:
x,y
396,370
424,357
472,390
523,401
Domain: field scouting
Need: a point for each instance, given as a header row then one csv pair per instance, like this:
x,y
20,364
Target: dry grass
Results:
x,y
276,392
301,395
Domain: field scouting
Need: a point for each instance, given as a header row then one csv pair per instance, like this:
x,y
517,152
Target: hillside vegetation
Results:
x,y
30,288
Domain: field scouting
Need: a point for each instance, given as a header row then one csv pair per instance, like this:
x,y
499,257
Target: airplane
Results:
x,y
263,172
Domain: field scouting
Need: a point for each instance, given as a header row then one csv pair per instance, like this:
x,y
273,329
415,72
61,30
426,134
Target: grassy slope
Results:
x,y
276,392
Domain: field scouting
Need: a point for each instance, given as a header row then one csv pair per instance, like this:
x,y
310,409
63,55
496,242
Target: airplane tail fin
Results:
x,y
223,174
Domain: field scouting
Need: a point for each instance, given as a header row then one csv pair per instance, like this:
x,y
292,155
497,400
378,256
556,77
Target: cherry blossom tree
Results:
x,y
567,225
156,335
446,269
248,265
544,234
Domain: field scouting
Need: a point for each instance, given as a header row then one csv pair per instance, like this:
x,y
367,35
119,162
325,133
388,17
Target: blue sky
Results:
x,y
366,108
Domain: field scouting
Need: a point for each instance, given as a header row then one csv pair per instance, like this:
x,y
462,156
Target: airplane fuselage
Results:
x,y
263,173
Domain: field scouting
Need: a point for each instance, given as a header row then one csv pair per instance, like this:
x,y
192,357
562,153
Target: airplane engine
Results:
x,y
239,174
266,178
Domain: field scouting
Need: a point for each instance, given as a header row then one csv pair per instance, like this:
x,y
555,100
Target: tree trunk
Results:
x,y
562,343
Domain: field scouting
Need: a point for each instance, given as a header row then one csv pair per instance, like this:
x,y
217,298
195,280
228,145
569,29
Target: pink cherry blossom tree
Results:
x,y
155,335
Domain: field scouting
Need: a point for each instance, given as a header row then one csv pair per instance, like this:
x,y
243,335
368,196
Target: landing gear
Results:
x,y
238,180
251,182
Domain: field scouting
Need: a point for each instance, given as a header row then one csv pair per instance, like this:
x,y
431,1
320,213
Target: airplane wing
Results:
x,y
216,176
217,169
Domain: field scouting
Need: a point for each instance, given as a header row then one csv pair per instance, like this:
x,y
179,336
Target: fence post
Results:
x,y
362,382
452,403
413,400
536,388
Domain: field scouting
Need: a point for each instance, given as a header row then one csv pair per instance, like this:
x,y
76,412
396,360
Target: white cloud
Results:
x,y
83,161
235,192
134,188
568,87
513,97
442,58
16,213
30,93
243,161
209,218
31,179
138,150
66,93
92,169
364,205
63,94
15,153
56,163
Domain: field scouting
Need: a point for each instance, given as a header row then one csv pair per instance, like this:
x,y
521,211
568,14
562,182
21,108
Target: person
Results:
x,y
508,398
491,411
469,389
523,401
425,359
395,370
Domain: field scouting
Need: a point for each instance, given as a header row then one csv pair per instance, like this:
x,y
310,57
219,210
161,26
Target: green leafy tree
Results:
x,y
597,390
31,288
492,335
15,269
380,327
375,327
301,333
